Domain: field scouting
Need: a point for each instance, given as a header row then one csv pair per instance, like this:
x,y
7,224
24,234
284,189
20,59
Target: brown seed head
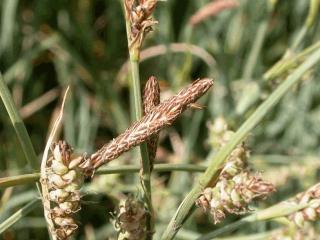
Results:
x,y
159,117
138,14
151,99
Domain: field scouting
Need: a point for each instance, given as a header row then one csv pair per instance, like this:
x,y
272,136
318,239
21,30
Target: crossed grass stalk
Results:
x,y
62,181
138,23
148,127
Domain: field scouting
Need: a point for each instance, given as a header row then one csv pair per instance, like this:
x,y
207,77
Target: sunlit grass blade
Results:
x,y
18,125
19,180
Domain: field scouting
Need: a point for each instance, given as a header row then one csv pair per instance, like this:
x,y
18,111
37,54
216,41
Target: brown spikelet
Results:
x,y
212,9
151,99
159,117
138,14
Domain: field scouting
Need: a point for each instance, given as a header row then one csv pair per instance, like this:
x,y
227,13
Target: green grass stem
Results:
x,y
18,215
33,177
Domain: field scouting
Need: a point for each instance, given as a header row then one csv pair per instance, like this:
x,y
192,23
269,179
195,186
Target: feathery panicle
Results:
x,y
161,116
151,99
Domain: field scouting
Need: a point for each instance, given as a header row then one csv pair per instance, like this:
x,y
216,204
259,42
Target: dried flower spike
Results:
x,y
131,220
138,14
161,116
151,99
64,179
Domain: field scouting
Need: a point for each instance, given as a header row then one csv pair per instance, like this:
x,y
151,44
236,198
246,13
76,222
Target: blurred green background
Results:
x,y
47,45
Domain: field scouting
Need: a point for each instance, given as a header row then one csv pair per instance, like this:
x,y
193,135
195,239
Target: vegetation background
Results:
x,y
47,45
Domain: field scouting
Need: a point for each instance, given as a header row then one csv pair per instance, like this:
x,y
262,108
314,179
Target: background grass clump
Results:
x,y
46,46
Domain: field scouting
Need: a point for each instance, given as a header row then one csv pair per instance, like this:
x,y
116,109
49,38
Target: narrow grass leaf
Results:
x,y
18,125
18,215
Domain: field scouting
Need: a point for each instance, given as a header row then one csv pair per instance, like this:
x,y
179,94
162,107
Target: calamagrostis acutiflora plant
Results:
x,y
159,117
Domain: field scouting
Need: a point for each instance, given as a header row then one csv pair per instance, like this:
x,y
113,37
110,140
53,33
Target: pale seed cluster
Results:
x,y
233,195
131,220
237,160
219,133
64,182
310,213
236,186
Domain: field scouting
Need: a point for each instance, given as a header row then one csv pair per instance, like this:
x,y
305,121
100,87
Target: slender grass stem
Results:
x,y
18,125
255,50
33,177
212,171
146,173
135,88
19,180
312,15
286,64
